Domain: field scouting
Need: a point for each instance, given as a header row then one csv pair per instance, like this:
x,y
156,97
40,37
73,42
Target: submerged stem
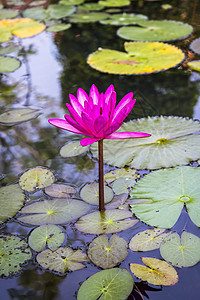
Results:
x,y
101,176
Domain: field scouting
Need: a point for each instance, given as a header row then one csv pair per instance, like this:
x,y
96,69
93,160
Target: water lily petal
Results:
x,y
126,100
75,115
82,96
89,141
94,94
99,126
71,121
108,93
63,124
77,106
127,135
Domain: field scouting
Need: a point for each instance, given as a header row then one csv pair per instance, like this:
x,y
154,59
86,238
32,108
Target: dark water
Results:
x,y
56,67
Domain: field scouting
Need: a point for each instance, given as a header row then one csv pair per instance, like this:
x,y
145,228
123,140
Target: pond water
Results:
x,y
54,65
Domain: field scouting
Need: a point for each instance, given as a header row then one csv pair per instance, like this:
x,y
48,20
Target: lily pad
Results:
x,y
123,19
119,173
88,17
57,211
36,13
91,6
90,193
194,65
154,30
18,115
195,46
73,149
142,58
118,202
9,64
107,284
59,27
172,142
157,272
62,260
9,48
123,185
11,200
181,251
110,221
14,253
148,240
60,190
164,203
71,2
114,3
7,13
50,235
107,253
36,178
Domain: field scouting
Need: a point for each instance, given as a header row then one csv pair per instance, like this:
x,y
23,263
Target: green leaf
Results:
x,y
115,3
123,185
62,260
172,142
60,190
165,30
123,19
13,253
181,251
194,65
8,13
90,193
164,203
57,211
118,201
59,27
36,13
107,284
50,235
110,221
11,47
118,173
11,200
36,178
73,149
87,18
54,11
18,115
71,2
195,46
91,6
157,272
148,240
9,64
107,253
142,58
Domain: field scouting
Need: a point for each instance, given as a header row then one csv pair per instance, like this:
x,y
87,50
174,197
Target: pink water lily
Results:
x,y
96,116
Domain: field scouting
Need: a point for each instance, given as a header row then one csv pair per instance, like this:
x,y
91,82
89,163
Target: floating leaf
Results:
x,y
59,190
9,64
36,178
148,240
7,13
166,30
157,272
91,6
71,2
114,3
87,18
172,142
118,202
107,253
194,65
57,211
123,19
73,149
142,58
9,48
14,252
90,193
107,284
181,251
123,185
59,27
62,260
36,13
110,221
118,173
18,115
50,235
195,46
11,200
165,202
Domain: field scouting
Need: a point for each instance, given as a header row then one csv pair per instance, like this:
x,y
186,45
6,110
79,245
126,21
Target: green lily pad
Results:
x,y
148,240
9,64
14,252
195,46
60,190
119,201
62,260
194,65
172,142
119,173
88,17
50,235
36,178
91,6
166,30
181,251
164,203
11,200
90,193
18,115
142,58
59,27
73,149
6,13
107,284
157,272
71,2
123,19
110,221
115,3
9,48
36,13
57,211
107,253
123,185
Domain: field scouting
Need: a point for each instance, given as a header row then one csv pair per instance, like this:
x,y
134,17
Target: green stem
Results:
x,y
101,176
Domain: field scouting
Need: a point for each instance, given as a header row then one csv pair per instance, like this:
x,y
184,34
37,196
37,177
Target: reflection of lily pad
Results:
x,y
181,251
59,190
194,65
164,203
166,30
62,260
114,3
107,284
110,221
195,46
172,142
107,254
90,193
87,18
142,58
50,235
73,149
13,253
9,64
58,211
18,115
11,200
7,13
157,272
123,19
54,11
